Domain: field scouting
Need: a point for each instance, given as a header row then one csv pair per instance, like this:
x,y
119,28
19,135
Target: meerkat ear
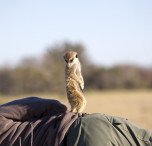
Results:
x,y
64,56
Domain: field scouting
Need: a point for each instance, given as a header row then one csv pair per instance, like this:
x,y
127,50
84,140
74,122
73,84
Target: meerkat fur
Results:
x,y
74,82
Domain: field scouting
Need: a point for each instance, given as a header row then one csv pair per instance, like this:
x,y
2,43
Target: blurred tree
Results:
x,y
46,73
7,81
53,64
30,80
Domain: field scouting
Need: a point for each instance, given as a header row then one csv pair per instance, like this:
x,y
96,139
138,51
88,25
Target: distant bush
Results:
x,y
46,74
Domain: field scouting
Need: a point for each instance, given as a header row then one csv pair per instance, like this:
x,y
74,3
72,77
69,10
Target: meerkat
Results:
x,y
74,82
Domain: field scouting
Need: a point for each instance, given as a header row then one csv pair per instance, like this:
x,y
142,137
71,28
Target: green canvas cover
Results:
x,y
105,130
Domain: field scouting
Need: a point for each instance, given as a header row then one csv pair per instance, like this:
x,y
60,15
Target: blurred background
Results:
x,y
114,43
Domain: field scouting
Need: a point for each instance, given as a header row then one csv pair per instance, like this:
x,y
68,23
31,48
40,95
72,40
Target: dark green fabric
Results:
x,y
104,130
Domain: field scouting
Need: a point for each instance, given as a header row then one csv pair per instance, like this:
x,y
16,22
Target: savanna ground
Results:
x,y
135,105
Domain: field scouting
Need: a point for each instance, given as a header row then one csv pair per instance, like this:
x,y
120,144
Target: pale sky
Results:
x,y
113,31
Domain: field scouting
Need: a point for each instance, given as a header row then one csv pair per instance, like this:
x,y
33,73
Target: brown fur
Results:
x,y
74,84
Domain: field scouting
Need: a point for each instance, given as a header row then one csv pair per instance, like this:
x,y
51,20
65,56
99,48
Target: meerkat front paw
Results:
x,y
82,86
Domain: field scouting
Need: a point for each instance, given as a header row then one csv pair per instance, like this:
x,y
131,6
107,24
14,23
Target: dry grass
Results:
x,y
135,105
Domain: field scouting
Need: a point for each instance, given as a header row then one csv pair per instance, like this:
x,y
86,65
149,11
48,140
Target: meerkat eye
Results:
x,y
66,61
71,60
76,56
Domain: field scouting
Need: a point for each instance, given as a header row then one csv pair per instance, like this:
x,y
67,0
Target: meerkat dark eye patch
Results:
x,y
71,60
76,56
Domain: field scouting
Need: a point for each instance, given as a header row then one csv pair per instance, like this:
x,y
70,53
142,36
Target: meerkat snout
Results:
x,y
71,58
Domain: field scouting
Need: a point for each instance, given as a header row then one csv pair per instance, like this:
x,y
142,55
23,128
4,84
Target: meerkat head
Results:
x,y
71,58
